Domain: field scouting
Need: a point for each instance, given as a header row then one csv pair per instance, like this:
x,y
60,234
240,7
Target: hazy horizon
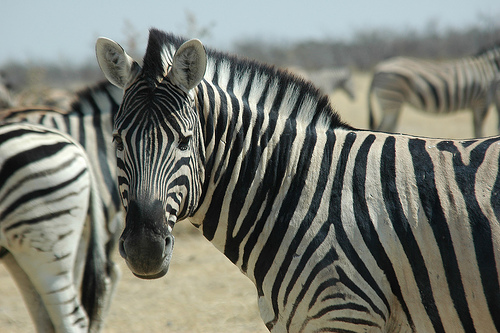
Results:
x,y
56,31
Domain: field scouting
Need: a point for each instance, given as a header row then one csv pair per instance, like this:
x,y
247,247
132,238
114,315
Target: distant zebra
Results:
x,y
436,87
51,229
340,230
6,100
329,80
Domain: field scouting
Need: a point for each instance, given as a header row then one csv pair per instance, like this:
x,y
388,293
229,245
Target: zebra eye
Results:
x,y
118,142
184,142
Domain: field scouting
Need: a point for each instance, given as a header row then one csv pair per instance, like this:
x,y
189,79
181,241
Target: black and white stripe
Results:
x,y
436,87
341,230
90,122
52,232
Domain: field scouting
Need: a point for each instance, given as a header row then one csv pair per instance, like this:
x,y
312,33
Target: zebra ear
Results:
x,y
189,65
118,67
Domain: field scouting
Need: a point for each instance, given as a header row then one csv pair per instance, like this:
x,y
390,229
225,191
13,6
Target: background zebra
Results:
x,y
340,230
330,80
437,87
6,100
90,122
52,229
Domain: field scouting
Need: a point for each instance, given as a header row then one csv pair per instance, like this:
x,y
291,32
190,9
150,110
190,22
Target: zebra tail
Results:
x,y
95,277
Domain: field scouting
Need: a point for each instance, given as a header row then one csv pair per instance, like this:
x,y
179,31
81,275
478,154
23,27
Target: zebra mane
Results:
x,y
161,49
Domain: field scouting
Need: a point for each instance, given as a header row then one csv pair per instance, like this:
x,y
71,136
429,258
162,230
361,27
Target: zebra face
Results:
x,y
160,153
160,173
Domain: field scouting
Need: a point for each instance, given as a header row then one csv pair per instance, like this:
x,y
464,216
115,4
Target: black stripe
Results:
x,y
327,260
208,126
37,194
13,134
42,218
495,195
433,90
293,195
335,216
410,84
368,230
305,257
318,239
429,198
101,144
480,226
248,168
14,163
222,124
404,232
252,162
271,185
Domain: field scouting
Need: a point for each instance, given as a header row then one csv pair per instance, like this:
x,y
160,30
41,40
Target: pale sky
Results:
x,y
66,30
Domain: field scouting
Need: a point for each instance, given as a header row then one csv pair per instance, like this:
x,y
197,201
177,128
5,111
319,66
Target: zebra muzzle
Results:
x,y
146,243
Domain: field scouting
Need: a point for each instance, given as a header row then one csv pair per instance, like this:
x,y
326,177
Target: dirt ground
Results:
x,y
203,291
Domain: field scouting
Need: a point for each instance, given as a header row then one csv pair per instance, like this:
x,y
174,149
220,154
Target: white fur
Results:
x,y
115,63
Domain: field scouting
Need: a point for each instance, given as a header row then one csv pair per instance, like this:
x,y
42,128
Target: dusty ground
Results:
x,y
203,291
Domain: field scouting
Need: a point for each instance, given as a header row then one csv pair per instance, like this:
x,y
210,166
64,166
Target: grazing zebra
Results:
x,y
436,87
51,228
340,230
330,80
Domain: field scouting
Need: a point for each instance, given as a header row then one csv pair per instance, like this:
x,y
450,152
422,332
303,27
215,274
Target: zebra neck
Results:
x,y
255,166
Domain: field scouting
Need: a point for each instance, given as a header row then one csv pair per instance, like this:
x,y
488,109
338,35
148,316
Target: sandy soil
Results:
x,y
203,291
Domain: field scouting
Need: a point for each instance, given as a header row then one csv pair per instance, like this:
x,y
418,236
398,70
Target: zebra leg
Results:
x,y
47,256
31,297
113,270
496,98
391,111
52,276
479,113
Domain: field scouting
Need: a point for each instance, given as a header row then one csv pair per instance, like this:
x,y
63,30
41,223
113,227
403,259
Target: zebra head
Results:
x,y
158,144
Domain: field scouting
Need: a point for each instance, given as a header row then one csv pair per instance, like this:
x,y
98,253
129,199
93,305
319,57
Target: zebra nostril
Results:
x,y
169,243
121,248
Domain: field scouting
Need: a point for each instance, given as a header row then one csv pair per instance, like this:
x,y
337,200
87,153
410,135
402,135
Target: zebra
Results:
x,y
51,228
6,100
436,87
340,229
330,80
89,121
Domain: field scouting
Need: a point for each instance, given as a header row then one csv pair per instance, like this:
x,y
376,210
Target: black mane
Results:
x,y
152,62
